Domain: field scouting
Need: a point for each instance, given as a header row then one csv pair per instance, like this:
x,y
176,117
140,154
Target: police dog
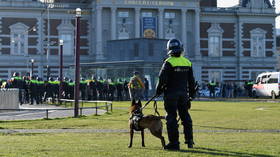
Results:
x,y
139,122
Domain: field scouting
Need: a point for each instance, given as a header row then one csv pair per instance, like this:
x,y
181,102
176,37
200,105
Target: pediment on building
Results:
x,y
65,25
258,31
215,28
19,27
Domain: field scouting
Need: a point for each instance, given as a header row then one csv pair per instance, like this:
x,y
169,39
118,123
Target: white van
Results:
x,y
267,84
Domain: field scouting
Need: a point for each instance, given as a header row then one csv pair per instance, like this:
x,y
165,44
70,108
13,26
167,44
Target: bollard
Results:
x,y
107,107
81,111
96,108
47,114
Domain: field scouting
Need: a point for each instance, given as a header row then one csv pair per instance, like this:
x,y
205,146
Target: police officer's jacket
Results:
x,y
176,77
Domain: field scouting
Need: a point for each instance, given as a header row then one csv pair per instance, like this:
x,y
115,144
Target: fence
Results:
x,y
107,104
108,107
9,99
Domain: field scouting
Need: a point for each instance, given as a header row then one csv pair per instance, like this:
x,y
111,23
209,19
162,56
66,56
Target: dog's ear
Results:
x,y
133,102
139,102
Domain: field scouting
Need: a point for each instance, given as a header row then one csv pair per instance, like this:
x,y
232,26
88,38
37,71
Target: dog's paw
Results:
x,y
129,146
143,146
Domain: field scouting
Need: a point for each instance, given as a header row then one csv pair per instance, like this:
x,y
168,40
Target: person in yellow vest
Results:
x,y
176,82
136,87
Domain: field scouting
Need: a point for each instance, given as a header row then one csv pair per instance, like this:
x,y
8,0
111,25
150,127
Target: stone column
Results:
x,y
99,46
160,23
184,28
137,22
113,23
197,34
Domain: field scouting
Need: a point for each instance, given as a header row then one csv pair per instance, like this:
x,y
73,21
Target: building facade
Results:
x,y
224,44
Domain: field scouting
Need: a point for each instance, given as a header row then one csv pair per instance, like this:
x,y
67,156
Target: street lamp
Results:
x,y
77,63
50,5
32,67
60,70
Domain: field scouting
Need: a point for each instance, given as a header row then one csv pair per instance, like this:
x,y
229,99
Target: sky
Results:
x,y
229,3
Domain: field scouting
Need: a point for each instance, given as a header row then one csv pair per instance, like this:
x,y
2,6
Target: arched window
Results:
x,y
215,35
19,39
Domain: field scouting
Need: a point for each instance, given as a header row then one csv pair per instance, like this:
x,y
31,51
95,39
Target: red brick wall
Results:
x,y
247,27
228,30
204,26
228,44
7,22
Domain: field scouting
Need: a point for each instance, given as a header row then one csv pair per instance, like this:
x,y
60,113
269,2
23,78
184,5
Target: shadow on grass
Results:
x,y
216,152
217,127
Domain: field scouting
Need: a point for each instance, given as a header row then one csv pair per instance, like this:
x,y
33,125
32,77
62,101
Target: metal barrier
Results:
x,y
106,106
9,98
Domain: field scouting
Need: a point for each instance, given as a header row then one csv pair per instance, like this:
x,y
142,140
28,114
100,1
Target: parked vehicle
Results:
x,y
267,85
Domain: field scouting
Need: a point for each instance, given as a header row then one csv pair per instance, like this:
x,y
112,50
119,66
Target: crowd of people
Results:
x,y
34,89
226,89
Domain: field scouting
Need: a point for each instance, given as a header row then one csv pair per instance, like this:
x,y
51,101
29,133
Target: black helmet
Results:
x,y
174,47
16,74
50,79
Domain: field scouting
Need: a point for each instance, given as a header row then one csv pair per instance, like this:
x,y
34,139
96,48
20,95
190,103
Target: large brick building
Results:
x,y
223,43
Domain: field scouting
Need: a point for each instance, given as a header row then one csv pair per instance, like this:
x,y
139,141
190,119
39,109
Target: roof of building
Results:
x,y
245,2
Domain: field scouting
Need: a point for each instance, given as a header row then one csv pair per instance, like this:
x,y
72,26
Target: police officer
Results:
x,y
17,82
136,86
177,82
33,90
211,87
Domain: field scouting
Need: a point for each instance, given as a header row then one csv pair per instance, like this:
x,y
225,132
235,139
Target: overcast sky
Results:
x,y
229,3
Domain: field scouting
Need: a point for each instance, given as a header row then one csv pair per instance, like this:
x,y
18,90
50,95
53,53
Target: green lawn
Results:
x,y
207,116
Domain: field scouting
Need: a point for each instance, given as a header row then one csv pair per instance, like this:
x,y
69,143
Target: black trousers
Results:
x,y
174,105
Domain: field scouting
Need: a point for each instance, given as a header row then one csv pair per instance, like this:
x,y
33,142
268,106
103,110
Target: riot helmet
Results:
x,y
174,47
16,74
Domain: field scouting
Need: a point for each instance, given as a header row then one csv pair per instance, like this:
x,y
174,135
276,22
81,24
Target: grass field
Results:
x,y
234,129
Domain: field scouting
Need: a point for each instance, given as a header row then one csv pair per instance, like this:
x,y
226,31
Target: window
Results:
x,y
170,15
67,44
19,39
147,14
258,43
123,31
215,33
123,14
66,33
214,46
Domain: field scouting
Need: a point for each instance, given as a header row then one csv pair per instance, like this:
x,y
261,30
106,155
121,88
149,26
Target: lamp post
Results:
x,y
77,63
60,70
32,67
49,4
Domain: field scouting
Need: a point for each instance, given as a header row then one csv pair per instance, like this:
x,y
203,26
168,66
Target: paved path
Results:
x,y
8,131
40,112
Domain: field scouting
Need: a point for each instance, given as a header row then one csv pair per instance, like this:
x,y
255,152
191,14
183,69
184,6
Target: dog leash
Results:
x,y
147,103
155,107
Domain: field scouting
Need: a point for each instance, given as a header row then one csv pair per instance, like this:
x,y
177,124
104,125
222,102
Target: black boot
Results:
x,y
190,143
172,146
